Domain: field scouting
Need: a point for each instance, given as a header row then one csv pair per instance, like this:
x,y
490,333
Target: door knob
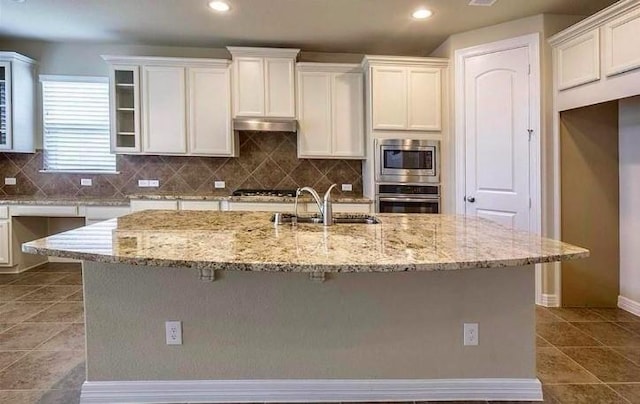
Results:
x,y
471,199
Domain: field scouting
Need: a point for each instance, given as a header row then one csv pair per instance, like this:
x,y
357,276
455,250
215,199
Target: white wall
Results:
x,y
629,143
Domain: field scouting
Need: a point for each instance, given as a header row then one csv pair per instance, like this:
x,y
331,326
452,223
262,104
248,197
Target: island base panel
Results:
x,y
283,326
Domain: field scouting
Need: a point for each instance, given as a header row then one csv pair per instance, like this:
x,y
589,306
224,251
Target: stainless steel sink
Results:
x,y
284,218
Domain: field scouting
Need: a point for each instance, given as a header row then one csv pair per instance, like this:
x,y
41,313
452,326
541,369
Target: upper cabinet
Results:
x,y
598,59
17,103
171,106
330,110
405,93
264,82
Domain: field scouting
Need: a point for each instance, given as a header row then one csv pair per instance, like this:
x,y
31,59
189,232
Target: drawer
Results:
x,y
105,212
139,205
200,205
44,210
343,207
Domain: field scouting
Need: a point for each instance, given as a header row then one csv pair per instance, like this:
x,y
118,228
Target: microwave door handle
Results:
x,y
417,200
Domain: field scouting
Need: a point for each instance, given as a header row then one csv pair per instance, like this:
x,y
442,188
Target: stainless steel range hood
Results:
x,y
265,124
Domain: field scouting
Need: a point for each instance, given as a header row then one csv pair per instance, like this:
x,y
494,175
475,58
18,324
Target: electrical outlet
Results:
x,y
173,331
10,181
154,183
143,183
347,187
219,184
86,182
471,337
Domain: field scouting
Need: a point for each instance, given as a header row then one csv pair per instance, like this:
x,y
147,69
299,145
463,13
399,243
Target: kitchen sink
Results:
x,y
284,218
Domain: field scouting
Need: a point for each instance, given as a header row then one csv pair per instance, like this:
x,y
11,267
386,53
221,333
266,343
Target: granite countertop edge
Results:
x,y
127,201
305,268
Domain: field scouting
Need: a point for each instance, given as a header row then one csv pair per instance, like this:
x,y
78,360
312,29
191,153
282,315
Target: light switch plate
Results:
x,y
143,183
347,187
10,181
86,182
219,185
154,183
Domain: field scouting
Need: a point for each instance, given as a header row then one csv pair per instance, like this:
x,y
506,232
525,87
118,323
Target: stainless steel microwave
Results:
x,y
407,161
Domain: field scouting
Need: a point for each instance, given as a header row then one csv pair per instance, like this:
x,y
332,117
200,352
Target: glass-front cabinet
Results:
x,y
5,105
17,103
125,108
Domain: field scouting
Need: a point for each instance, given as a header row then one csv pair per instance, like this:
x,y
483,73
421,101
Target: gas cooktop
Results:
x,y
265,192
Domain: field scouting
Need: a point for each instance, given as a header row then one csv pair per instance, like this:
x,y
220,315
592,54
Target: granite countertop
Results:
x,y
38,200
248,241
258,199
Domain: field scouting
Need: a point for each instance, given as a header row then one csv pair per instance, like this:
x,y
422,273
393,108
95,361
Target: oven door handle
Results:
x,y
417,200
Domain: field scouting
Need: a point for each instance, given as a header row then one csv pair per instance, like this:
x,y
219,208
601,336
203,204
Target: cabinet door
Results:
x,y
389,98
5,242
249,91
164,102
578,60
425,99
314,106
279,88
125,108
210,112
5,105
348,115
621,51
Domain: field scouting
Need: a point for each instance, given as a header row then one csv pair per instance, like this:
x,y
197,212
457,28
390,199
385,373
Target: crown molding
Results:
x,y
166,61
14,56
370,60
240,51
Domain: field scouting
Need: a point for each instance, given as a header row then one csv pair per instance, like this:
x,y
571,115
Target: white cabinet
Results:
x,y
5,242
17,103
598,59
138,205
330,111
406,93
164,104
174,106
621,47
210,111
578,60
263,82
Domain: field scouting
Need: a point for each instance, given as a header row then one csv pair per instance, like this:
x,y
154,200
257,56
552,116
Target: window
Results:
x,y
75,113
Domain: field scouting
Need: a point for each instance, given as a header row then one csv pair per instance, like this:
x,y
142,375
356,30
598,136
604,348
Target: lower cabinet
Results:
x,y
138,205
5,242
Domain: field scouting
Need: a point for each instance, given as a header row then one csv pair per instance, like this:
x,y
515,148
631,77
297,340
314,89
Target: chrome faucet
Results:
x,y
324,205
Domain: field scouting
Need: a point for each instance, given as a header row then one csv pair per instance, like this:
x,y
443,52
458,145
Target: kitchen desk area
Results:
x,y
307,313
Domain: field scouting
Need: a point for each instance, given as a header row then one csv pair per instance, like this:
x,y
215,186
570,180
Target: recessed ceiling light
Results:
x,y
421,14
219,6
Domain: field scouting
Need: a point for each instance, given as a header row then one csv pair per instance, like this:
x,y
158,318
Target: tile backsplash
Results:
x,y
267,160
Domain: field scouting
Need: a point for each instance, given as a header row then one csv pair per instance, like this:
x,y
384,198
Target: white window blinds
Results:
x,y
76,125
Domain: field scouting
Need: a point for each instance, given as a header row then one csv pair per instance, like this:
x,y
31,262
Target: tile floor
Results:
x,y
589,356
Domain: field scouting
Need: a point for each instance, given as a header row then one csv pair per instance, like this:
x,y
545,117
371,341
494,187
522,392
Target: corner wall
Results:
x,y
629,143
546,25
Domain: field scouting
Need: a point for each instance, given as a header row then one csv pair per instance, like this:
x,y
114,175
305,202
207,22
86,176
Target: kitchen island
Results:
x,y
277,313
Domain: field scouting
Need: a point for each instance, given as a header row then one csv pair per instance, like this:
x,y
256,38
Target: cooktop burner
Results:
x,y
265,192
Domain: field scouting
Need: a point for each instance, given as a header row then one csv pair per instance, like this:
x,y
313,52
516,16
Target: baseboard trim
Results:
x,y
549,300
295,391
629,305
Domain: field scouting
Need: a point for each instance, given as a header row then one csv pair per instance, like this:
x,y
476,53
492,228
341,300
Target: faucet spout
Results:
x,y
327,211
315,196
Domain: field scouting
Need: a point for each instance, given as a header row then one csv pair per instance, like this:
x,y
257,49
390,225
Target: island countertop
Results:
x,y
248,241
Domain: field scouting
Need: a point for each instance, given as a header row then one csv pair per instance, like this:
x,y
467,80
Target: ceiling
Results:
x,y
357,26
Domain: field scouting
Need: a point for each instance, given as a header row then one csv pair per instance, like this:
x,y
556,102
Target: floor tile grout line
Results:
x,y
26,352
618,394
579,366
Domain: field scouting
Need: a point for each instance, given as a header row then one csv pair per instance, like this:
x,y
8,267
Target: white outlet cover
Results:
x,y
86,182
173,331
154,183
10,181
219,185
347,187
471,337
143,183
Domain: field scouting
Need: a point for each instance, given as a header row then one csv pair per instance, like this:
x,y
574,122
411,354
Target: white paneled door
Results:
x,y
497,137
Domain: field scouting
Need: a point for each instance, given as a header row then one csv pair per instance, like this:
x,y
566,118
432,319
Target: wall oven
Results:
x,y
407,161
405,198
